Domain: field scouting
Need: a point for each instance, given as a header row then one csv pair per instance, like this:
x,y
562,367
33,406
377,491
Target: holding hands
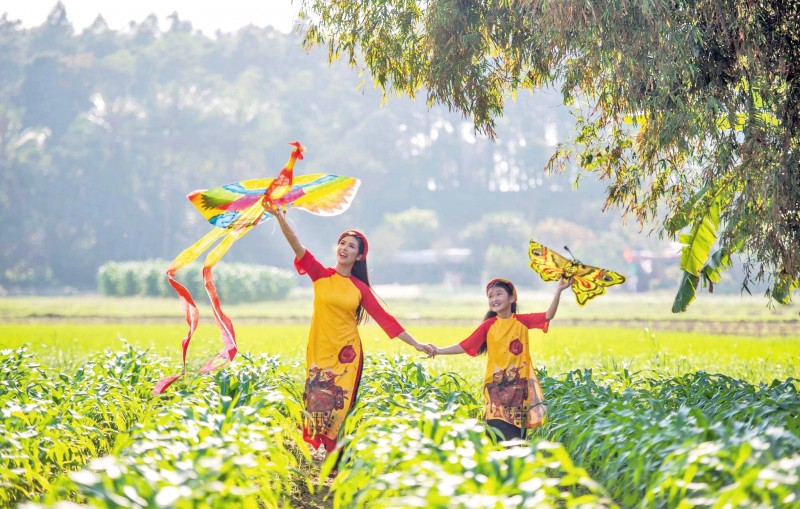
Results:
x,y
428,349
432,350
410,341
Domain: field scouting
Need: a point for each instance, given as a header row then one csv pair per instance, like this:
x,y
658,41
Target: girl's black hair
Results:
x,y
491,314
361,273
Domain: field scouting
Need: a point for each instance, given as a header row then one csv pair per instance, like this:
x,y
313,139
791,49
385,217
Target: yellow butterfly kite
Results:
x,y
587,282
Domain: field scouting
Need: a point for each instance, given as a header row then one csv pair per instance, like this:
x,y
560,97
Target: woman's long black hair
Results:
x,y
491,314
360,272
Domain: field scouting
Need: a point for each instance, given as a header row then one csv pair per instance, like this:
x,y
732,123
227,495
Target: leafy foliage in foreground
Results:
x,y
51,424
222,442
414,439
703,439
413,444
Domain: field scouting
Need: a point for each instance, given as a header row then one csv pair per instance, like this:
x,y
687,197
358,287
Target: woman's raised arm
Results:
x,y
291,237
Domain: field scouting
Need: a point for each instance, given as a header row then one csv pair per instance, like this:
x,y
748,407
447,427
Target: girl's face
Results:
x,y
347,250
500,301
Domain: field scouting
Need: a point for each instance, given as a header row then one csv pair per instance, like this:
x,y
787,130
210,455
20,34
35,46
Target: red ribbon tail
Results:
x,y
192,318
189,309
162,384
216,362
223,322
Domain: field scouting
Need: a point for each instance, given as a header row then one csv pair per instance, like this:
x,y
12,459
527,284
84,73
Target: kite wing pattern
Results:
x,y
234,210
323,195
587,281
239,205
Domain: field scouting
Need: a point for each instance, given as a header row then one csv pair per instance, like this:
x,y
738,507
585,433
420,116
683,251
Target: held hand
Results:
x,y
424,349
431,350
271,208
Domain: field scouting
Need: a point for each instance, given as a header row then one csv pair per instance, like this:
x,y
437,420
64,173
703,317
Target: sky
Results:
x,y
205,15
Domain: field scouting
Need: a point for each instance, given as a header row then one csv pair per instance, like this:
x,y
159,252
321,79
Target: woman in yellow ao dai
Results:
x,y
334,358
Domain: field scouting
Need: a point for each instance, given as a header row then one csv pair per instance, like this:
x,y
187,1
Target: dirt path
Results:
x,y
318,497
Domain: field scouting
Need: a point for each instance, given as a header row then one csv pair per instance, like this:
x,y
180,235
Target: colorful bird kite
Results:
x,y
234,210
587,281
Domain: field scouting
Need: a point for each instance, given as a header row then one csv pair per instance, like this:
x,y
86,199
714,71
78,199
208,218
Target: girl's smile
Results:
x,y
500,301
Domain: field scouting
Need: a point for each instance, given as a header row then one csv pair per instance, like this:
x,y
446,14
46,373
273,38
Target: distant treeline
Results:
x,y
103,133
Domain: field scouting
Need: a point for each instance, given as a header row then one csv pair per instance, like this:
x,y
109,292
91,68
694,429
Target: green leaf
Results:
x,y
695,258
686,293
697,244
719,262
681,220
783,287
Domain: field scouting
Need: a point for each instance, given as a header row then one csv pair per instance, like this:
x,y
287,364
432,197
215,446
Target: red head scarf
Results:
x,y
505,281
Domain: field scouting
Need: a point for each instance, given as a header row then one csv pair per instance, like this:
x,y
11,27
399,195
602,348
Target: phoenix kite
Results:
x,y
234,210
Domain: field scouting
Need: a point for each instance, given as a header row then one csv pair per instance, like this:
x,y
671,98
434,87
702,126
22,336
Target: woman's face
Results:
x,y
499,300
347,250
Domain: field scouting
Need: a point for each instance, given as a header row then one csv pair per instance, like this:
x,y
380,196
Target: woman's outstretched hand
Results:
x,y
426,349
431,350
409,340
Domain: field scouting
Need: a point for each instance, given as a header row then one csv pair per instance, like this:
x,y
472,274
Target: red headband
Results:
x,y
505,281
358,234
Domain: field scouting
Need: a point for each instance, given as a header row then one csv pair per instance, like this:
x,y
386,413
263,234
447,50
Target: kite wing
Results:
x,y
238,205
322,194
232,205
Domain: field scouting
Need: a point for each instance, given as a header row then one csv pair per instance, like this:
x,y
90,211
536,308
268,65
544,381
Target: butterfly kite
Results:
x,y
587,282
234,210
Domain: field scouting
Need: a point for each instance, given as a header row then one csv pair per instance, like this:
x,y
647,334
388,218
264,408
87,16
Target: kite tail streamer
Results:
x,y
192,317
186,257
223,322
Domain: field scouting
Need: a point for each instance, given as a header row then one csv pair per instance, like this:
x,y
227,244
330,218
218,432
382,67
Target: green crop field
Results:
x,y
646,409
755,359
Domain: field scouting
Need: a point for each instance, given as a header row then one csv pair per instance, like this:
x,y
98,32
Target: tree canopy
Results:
x,y
689,110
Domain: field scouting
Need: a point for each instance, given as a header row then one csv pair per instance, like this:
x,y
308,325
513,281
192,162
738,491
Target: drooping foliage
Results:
x,y
688,110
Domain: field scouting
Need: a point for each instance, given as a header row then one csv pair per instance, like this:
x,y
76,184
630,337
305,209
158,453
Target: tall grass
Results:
x,y
52,422
639,417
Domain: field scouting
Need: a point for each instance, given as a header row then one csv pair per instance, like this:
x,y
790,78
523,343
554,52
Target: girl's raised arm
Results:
x,y
563,284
